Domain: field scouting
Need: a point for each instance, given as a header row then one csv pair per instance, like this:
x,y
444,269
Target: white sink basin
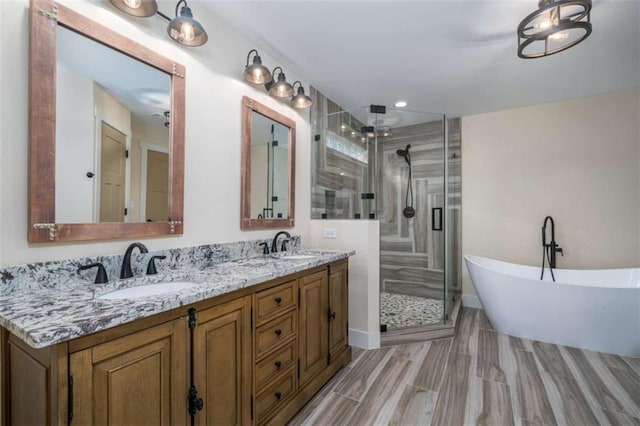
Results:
x,y
295,256
148,290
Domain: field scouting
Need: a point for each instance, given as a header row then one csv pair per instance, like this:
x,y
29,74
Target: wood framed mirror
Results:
x,y
106,132
268,167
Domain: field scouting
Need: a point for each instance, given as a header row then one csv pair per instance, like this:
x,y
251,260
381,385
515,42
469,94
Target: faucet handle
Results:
x,y
265,247
101,276
559,250
151,267
284,245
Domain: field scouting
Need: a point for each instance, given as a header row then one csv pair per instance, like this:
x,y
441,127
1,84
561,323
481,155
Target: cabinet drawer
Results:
x,y
273,333
275,394
275,364
270,303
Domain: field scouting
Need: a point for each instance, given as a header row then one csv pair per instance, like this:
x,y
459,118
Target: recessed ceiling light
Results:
x,y
400,104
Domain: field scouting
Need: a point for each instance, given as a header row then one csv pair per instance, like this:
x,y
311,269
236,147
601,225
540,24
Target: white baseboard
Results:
x,y
363,339
471,301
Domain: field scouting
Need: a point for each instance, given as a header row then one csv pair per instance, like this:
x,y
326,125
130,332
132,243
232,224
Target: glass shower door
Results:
x,y
411,206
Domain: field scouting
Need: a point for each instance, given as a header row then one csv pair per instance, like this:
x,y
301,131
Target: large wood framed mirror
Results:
x,y
268,167
106,132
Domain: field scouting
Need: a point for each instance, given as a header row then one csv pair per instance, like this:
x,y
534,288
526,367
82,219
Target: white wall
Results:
x,y
575,160
75,147
363,236
214,89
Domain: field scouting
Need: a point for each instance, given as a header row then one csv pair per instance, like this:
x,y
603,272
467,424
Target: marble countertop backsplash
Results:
x,y
51,302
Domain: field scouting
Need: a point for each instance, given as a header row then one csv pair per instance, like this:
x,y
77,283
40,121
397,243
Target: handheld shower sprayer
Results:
x,y
408,210
405,154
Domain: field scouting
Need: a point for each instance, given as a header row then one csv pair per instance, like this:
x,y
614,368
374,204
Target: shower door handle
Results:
x,y
436,225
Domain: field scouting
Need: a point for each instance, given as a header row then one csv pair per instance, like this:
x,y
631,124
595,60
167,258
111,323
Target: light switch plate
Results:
x,y
330,233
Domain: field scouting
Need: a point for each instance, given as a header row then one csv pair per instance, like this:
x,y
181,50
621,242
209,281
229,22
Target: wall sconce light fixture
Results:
x,y
300,100
279,89
556,26
140,8
182,28
256,73
186,30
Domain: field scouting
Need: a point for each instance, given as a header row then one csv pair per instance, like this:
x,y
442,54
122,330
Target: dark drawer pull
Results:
x,y
278,300
278,364
278,332
278,395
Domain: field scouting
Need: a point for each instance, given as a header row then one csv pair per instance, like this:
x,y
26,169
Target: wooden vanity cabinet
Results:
x,y
259,355
222,363
313,342
138,379
338,308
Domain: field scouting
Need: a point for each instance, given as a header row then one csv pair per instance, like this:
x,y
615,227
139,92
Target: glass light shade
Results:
x,y
554,27
256,73
301,101
186,30
281,89
139,8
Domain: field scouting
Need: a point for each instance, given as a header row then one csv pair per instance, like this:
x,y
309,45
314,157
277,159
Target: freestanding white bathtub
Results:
x,y
590,309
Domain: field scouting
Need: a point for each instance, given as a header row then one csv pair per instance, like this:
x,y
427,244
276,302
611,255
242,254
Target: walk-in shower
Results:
x,y
400,168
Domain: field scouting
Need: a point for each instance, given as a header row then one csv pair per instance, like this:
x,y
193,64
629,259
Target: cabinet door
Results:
x,y
138,379
222,363
338,308
312,320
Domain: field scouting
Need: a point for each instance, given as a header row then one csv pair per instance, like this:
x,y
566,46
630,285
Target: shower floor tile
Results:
x,y
400,311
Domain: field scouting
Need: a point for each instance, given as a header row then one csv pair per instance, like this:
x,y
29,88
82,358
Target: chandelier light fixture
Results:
x,y
556,26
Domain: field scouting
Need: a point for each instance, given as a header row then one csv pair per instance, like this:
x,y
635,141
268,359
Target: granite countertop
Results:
x,y
50,315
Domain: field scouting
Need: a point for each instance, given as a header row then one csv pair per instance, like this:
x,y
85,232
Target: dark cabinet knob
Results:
x,y
278,332
278,395
278,364
90,175
278,300
332,315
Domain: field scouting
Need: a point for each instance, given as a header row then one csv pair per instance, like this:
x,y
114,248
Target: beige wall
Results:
x,y
576,160
363,236
214,89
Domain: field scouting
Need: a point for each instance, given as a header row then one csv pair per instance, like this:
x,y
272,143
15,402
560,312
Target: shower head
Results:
x,y
404,153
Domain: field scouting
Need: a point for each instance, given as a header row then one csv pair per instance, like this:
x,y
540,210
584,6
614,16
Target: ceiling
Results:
x,y
450,56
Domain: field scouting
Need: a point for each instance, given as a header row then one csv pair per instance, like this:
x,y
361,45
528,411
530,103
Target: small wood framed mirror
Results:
x,y
268,167
106,132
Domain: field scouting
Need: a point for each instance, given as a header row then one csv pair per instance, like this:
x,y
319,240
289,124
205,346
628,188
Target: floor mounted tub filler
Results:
x,y
591,309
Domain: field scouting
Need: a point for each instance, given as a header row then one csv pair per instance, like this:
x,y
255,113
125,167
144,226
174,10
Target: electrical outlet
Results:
x,y
330,233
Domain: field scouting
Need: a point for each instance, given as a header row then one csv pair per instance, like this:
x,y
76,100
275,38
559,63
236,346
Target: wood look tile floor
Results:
x,y
479,377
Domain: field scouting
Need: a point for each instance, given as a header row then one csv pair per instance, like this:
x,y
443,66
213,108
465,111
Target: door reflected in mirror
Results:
x,y
269,168
112,134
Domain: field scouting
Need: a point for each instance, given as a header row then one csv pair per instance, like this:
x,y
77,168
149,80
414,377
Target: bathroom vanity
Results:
x,y
251,344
